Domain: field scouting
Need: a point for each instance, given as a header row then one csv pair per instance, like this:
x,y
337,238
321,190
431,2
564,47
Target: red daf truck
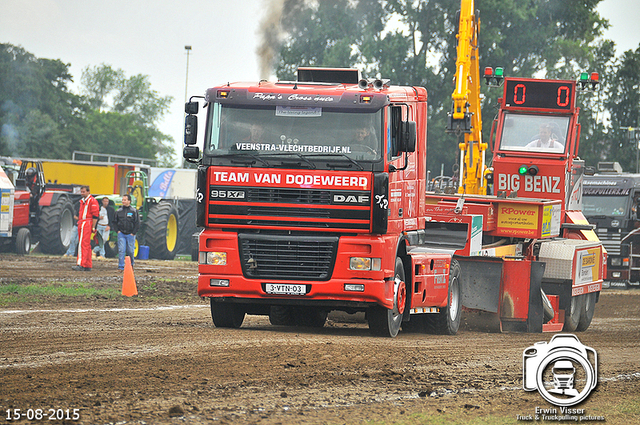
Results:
x,y
312,196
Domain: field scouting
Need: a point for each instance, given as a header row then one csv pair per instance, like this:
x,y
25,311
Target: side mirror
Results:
x,y
191,152
191,108
407,137
190,129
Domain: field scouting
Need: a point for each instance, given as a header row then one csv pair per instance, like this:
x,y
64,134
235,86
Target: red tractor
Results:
x,y
41,213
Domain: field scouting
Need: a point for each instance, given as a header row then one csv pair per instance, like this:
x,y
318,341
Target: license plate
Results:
x,y
285,289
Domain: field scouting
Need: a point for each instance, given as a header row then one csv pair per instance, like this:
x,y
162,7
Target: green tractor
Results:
x,y
158,220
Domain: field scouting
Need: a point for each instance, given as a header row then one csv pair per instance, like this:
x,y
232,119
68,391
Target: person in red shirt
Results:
x,y
87,222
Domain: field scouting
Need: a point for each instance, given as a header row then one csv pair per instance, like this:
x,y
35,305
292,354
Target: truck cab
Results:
x,y
309,196
610,203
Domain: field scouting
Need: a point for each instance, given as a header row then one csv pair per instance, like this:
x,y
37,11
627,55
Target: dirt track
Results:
x,y
157,359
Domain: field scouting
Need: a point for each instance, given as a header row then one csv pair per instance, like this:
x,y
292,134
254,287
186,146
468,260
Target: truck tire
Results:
x,y
386,322
23,241
161,231
586,314
572,314
227,315
54,227
447,321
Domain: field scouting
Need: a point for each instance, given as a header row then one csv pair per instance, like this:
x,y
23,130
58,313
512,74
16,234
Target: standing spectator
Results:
x,y
105,221
87,220
73,245
126,223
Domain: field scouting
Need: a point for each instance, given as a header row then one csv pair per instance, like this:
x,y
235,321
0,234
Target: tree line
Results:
x,y
414,43
40,117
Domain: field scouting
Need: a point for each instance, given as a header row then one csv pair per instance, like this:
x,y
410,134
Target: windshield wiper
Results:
x,y
311,164
351,160
246,161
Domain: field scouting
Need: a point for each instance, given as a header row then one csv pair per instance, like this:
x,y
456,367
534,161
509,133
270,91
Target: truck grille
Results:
x,y
291,196
287,257
610,241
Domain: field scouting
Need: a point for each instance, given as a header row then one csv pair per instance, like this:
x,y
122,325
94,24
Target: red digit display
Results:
x,y
520,90
539,94
563,96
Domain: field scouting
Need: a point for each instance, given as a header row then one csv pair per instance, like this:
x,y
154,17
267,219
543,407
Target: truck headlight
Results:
x,y
364,263
616,261
213,258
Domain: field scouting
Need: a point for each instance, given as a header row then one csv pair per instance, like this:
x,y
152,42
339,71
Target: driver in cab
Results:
x,y
547,140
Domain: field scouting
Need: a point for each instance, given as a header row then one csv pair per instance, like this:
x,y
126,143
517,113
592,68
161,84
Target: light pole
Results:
x,y
186,86
186,80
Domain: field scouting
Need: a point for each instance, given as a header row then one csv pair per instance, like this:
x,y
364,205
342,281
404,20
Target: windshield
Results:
x,y
537,133
604,205
282,130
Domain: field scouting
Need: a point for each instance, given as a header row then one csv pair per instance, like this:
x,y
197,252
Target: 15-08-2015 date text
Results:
x,y
42,414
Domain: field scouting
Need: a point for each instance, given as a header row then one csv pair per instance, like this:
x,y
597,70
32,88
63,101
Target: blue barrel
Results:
x,y
143,252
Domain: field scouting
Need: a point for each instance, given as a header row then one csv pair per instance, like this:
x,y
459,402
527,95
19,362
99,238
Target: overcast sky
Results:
x,y
149,37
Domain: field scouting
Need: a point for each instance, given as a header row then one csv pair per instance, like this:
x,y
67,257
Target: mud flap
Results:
x,y
535,318
480,282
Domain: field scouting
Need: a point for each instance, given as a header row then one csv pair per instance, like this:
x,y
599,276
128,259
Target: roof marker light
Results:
x,y
492,77
587,82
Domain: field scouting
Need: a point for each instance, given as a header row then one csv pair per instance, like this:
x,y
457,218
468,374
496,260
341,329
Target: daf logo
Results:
x,y
351,199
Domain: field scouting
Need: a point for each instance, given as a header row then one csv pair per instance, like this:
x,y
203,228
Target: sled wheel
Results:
x,y
586,314
572,314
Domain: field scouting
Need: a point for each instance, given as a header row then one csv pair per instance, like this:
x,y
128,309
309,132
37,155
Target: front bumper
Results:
x,y
329,293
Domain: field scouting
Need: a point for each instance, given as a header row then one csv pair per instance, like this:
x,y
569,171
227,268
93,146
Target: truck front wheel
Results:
x,y
447,321
386,322
227,315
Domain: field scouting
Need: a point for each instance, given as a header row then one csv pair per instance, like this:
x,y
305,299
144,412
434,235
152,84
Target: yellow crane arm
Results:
x,y
466,116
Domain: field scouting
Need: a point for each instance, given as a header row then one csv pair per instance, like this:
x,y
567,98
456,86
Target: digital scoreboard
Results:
x,y
539,94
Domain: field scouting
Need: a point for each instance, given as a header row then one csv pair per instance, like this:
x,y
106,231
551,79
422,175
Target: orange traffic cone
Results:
x,y
129,281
